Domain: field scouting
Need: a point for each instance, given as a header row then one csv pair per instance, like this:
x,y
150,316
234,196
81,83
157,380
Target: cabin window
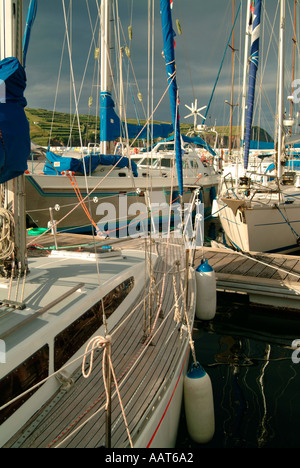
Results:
x,y
166,162
242,217
166,147
22,378
78,333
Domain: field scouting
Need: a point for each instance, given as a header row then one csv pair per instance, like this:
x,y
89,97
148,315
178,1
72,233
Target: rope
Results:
x,y
287,221
73,181
191,341
177,315
96,343
7,234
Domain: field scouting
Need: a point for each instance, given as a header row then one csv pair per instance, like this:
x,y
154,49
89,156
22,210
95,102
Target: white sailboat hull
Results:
x,y
262,228
160,427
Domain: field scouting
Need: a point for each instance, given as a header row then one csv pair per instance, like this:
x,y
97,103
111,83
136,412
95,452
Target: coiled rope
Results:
x,y
99,342
7,229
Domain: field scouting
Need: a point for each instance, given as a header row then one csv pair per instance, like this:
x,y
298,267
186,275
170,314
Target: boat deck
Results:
x,y
76,418
270,279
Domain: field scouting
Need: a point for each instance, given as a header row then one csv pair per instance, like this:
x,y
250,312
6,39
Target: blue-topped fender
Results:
x,y
204,266
196,371
14,126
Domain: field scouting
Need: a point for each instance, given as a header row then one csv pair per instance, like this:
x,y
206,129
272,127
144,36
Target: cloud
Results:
x,y
199,52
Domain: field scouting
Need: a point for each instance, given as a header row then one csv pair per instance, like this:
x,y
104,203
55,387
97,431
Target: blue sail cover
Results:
x,y
291,164
254,54
14,126
112,128
56,164
200,142
169,54
196,140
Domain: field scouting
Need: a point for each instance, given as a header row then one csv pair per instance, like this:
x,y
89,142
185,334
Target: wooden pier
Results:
x,y
269,279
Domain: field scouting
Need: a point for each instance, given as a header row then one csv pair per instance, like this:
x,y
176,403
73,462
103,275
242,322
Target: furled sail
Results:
x,y
169,54
254,55
111,127
29,23
14,126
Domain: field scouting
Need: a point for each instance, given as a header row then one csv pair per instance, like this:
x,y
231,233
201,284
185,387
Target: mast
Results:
x,y
253,66
294,56
169,56
11,37
244,92
232,77
106,79
281,86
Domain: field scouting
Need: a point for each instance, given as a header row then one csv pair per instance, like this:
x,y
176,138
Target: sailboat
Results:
x,y
264,215
93,344
106,171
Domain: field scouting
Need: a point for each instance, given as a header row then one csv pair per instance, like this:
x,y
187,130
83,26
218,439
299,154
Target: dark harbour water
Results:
x,y
246,351
256,385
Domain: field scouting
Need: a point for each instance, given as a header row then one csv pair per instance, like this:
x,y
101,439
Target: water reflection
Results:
x,y
247,353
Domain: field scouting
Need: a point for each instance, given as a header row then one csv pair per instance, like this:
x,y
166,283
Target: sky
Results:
x,y
205,28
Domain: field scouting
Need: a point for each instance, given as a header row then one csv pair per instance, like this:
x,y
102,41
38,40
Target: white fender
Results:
x,y
206,304
199,405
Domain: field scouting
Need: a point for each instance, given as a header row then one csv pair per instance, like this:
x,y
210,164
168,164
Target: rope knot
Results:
x,y
95,343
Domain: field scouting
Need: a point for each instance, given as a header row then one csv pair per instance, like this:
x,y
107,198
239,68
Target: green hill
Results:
x,y
57,126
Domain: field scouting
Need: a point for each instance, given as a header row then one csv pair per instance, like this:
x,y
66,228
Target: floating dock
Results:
x,y
269,279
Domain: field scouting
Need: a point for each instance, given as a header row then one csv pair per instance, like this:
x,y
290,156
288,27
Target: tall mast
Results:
x,y
11,37
106,79
232,77
294,55
244,92
281,86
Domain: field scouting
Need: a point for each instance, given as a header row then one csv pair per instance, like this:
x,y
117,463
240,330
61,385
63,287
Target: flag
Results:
x,y
251,18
